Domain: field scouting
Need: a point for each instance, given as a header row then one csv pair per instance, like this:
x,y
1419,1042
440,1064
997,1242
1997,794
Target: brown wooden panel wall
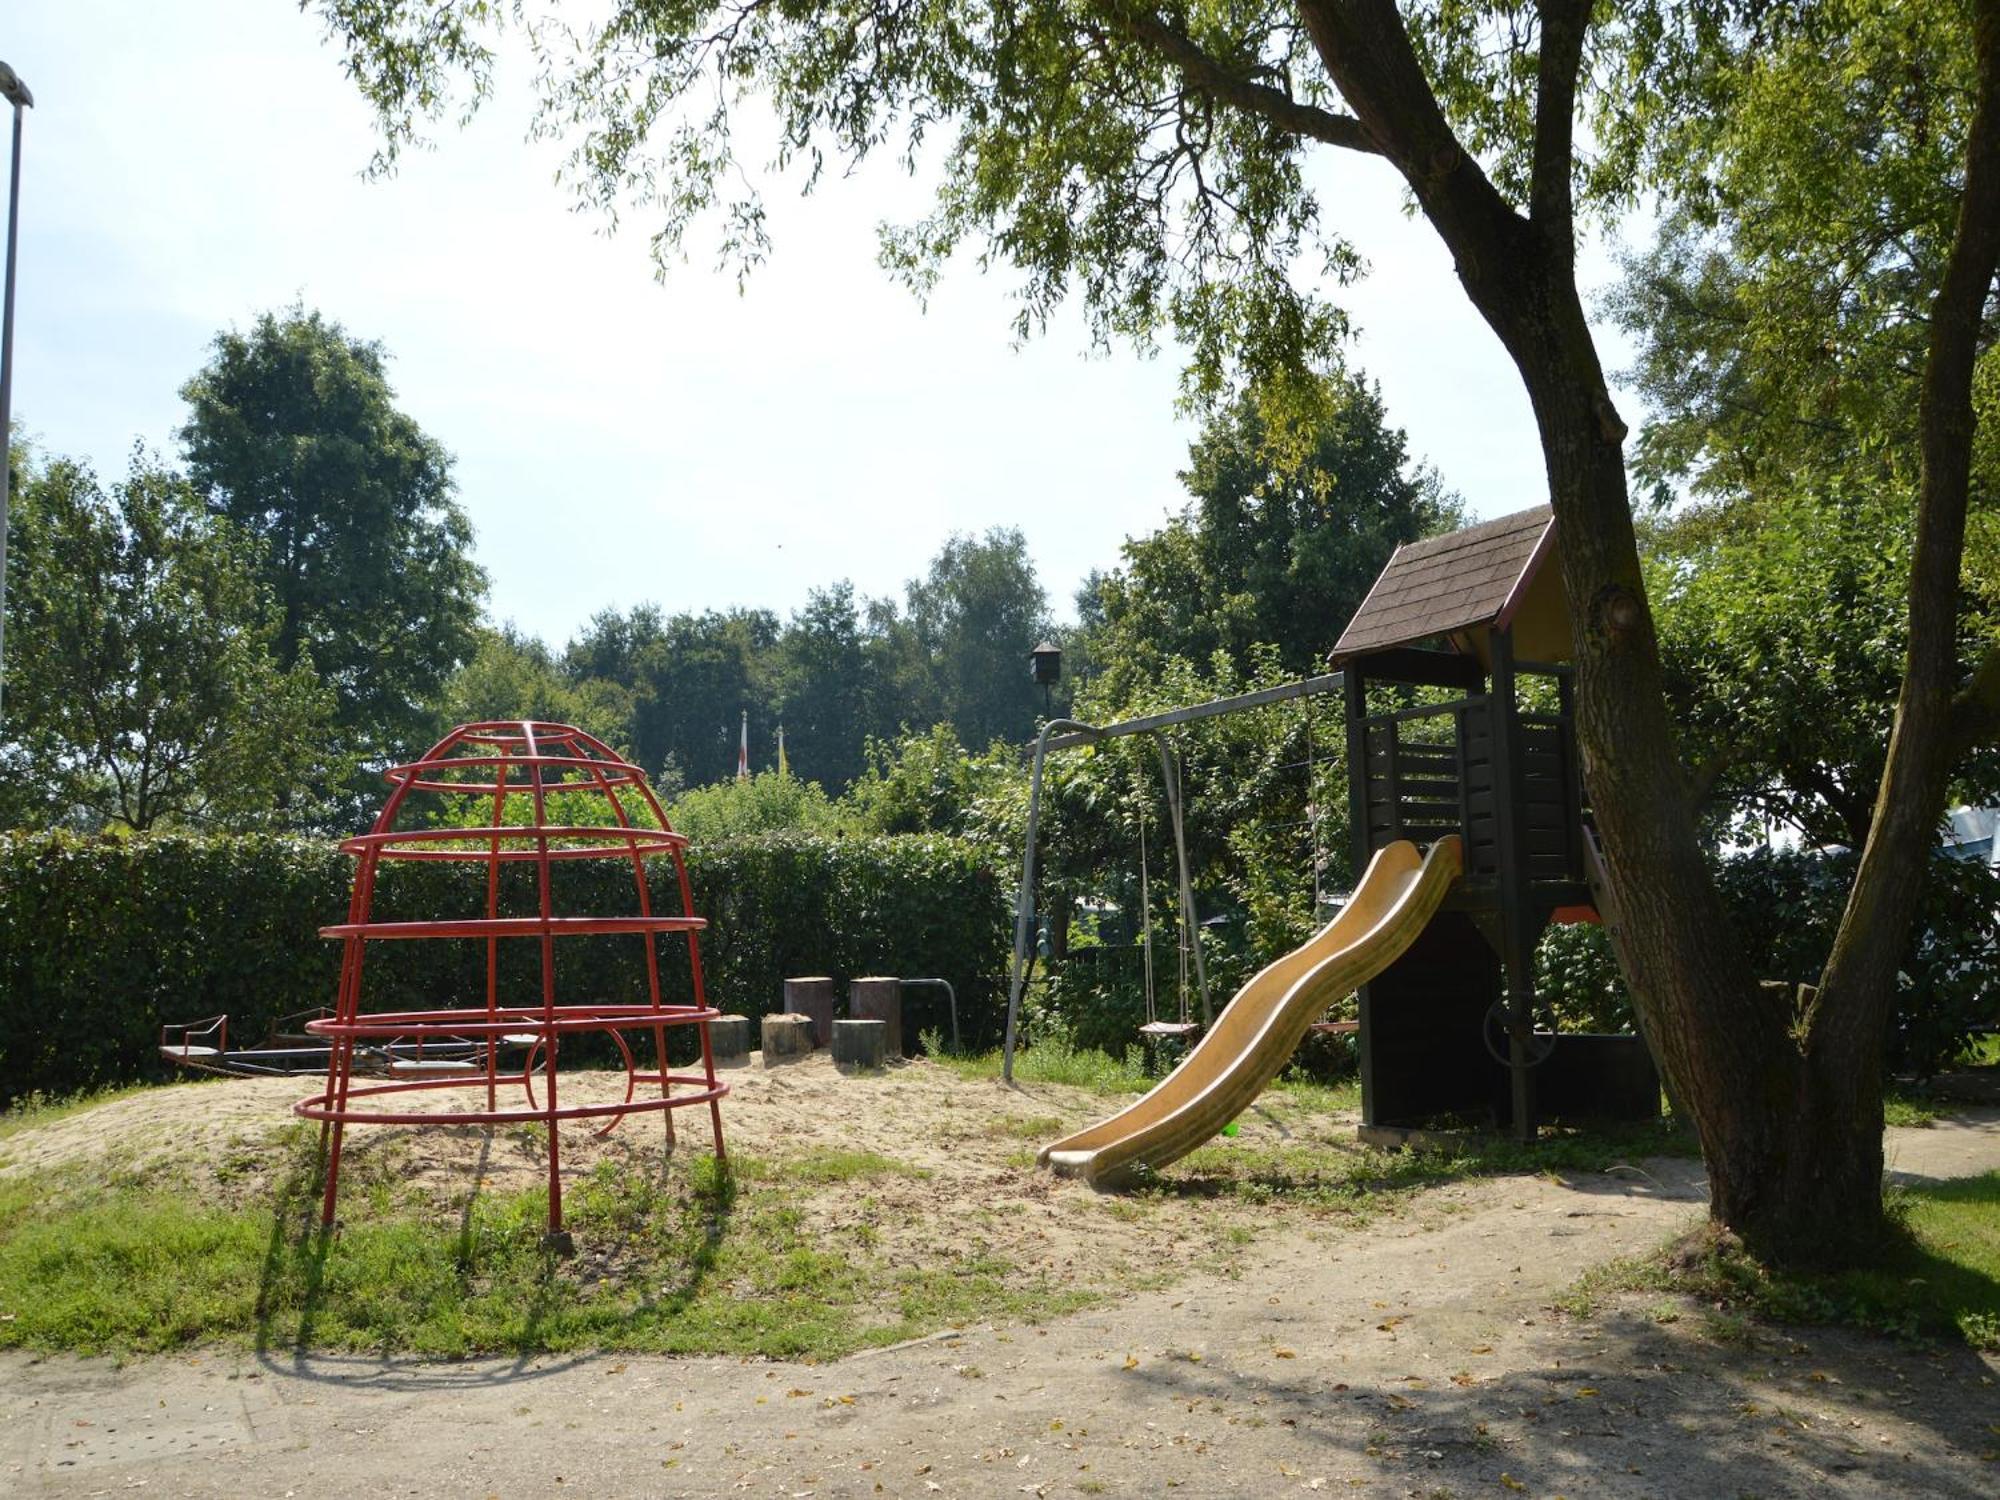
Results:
x,y
1421,1053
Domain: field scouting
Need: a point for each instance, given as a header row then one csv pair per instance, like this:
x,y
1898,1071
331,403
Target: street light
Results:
x,y
1045,665
15,93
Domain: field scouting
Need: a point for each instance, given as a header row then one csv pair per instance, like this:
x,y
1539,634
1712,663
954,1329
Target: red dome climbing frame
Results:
x,y
515,789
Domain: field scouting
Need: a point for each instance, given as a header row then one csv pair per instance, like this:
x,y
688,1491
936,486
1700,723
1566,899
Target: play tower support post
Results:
x,y
1517,945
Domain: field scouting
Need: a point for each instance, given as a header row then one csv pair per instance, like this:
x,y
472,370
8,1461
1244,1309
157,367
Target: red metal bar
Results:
x,y
533,927
551,758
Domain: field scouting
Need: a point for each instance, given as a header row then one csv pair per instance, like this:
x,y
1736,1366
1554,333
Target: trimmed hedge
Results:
x,y
102,940
1786,906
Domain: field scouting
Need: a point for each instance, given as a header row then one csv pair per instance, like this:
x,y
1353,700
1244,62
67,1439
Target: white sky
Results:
x,y
618,440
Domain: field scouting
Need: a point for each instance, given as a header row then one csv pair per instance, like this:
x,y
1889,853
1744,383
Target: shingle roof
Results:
x,y
1448,583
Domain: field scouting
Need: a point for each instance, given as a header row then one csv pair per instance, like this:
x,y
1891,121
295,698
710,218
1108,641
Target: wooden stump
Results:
x,y
879,999
729,1040
860,1044
787,1038
812,997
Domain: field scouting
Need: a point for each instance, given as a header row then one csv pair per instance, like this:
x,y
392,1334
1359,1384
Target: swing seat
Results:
x,y
1169,1028
1335,1028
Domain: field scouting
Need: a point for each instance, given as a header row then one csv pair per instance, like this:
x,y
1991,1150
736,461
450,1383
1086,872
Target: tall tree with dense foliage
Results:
x,y
293,434
690,677
967,629
829,689
141,684
1279,543
1781,318
1154,157
1783,638
515,676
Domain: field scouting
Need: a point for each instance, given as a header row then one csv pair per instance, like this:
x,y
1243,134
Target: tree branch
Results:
x,y
1975,708
1557,61
1916,774
1702,779
1205,74
1367,52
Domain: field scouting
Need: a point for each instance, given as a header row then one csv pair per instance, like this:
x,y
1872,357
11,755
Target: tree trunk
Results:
x,y
1789,1142
1850,1020
1793,1140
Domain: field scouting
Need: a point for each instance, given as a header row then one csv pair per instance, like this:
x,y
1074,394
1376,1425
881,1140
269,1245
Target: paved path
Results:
x,y
1416,1357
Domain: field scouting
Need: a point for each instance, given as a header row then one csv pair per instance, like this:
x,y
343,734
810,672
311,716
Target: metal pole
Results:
x,y
1024,908
16,92
1171,770
949,994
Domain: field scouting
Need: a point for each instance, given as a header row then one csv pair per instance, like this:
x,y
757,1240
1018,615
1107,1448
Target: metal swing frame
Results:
x,y
1067,734
1155,1029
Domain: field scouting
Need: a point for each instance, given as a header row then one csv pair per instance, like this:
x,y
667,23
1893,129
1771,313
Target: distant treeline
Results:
x,y
672,688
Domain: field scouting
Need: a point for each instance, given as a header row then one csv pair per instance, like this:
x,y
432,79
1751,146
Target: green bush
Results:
x,y
1785,906
102,940
1577,979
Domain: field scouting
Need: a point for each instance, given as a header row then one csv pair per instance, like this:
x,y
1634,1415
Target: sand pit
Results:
x,y
962,1150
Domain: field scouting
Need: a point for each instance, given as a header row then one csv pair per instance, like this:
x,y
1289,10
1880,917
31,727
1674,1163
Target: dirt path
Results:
x,y
1416,1357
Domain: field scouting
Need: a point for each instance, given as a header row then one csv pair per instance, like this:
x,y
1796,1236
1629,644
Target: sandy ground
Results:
x,y
971,1144
1416,1356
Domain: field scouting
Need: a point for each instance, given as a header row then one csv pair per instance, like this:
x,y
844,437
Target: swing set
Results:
x,y
1067,734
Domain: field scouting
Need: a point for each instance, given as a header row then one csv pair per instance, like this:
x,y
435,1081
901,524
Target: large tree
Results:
x,y
690,678
1781,318
967,629
294,435
1784,638
141,686
515,676
1277,545
828,685
1155,156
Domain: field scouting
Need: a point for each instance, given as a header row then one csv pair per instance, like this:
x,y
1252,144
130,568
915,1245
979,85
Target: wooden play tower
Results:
x,y
1460,719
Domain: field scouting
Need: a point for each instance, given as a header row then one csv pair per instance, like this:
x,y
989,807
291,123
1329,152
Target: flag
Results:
x,y
783,768
743,750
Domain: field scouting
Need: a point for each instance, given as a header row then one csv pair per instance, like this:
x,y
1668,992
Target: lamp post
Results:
x,y
1045,665
15,93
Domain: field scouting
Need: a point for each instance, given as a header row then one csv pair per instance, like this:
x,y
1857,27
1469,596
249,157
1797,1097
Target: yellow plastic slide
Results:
x,y
1262,1026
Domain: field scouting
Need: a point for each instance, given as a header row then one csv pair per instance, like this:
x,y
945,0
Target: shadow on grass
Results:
x,y
1344,1175
1937,1275
483,1289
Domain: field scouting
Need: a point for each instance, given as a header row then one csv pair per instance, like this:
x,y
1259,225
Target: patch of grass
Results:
x,y
1909,1109
1029,1127
1056,1061
702,1259
820,1168
1343,1097
1938,1276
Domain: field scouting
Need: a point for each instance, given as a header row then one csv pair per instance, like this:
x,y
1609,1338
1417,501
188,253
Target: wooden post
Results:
x,y
812,997
787,1039
1508,817
729,1041
1354,691
1572,771
879,998
860,1044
